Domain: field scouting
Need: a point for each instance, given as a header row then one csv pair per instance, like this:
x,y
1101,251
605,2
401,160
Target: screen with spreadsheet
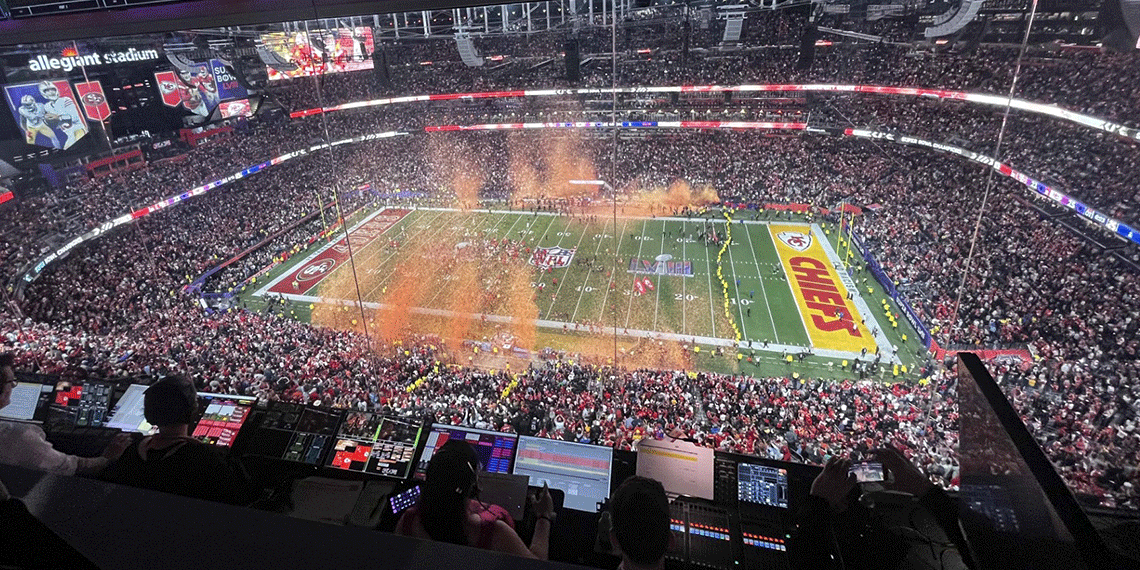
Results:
x,y
128,412
496,450
763,485
581,471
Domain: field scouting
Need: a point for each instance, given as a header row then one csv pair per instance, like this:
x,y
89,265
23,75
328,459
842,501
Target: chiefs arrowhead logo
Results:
x,y
795,240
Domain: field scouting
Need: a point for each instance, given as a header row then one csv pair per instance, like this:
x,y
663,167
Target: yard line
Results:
x,y
387,279
788,279
736,283
640,246
550,309
380,252
482,219
763,289
684,302
712,314
613,278
657,302
590,273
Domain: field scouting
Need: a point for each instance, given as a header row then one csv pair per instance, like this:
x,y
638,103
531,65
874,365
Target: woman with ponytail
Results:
x,y
448,512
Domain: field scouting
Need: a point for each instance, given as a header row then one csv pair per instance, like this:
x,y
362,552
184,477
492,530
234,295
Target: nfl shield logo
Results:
x,y
795,240
547,257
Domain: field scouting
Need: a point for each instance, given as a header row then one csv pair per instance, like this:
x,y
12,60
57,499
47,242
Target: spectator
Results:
x,y
444,511
26,445
171,461
639,511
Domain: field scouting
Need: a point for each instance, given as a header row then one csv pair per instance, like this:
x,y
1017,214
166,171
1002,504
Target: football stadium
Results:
x,y
634,284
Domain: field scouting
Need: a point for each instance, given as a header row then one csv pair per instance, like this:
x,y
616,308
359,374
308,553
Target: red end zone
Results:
x,y
311,272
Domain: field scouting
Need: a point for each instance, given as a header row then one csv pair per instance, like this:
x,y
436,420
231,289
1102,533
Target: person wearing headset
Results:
x,y
448,512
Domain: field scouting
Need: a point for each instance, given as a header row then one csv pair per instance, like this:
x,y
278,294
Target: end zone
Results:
x,y
321,263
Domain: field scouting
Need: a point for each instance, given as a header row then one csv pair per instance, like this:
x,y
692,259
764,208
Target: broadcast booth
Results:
x,y
342,475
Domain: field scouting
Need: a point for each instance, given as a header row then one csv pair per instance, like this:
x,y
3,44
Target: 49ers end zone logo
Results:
x,y
795,240
316,270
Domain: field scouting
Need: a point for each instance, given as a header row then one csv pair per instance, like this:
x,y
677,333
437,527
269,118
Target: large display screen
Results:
x,y
292,432
317,52
46,113
496,450
222,418
373,443
581,471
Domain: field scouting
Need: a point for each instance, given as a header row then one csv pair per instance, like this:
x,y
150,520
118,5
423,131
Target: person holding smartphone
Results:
x,y
448,512
836,531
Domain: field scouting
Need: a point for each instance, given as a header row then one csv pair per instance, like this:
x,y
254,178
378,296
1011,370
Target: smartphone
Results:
x,y
868,472
405,499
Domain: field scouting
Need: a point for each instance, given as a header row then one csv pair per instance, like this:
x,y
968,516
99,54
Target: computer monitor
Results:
x,y
496,449
762,485
683,468
222,417
1016,510
80,404
127,415
296,433
580,470
25,401
377,444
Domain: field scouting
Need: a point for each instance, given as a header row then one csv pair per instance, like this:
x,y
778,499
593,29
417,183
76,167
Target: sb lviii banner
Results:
x,y
47,113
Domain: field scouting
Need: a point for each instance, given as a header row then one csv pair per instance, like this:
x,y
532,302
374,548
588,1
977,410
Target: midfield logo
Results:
x,y
666,266
552,257
795,240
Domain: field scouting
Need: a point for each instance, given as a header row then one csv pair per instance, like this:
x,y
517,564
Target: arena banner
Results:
x,y
1019,357
93,99
977,98
226,82
829,316
46,113
183,89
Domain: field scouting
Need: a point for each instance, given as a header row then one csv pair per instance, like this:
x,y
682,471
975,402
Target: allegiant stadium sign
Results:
x,y
69,62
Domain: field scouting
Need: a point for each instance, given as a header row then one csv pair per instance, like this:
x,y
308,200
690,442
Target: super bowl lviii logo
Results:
x,y
47,113
551,257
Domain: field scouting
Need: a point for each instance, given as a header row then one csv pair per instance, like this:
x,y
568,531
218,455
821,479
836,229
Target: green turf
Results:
x,y
762,305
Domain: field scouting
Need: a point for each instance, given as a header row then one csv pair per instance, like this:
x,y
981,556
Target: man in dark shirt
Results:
x,y
836,531
173,462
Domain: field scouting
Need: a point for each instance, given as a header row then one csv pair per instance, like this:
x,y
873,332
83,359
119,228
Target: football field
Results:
x,y
778,286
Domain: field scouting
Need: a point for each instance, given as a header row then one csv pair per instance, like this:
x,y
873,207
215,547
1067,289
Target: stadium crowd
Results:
x,y
115,307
